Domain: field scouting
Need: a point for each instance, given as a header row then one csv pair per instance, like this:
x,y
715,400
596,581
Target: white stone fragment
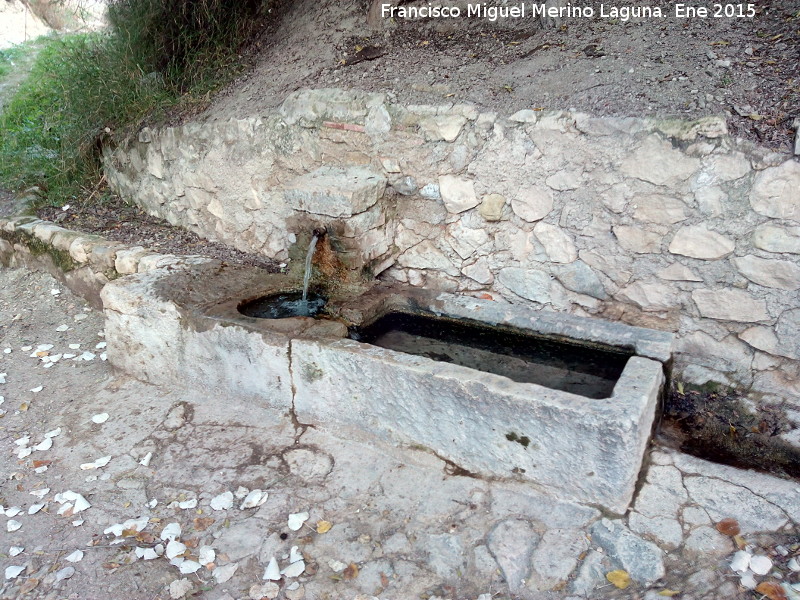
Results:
x,y
100,418
100,345
34,508
295,555
222,502
45,444
13,511
24,452
13,572
206,555
76,556
171,531
23,441
145,462
296,520
295,569
240,492
174,548
186,504
760,565
74,346
224,573
64,573
37,389
189,566
793,565
62,327
337,566
40,493
179,588
54,433
145,553
253,499
272,572
741,561
13,525
99,463
15,550
77,522
748,581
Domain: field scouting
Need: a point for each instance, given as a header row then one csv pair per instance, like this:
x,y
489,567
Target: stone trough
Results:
x,y
183,325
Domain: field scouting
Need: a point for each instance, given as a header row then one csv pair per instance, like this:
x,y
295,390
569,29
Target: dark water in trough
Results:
x,y
283,306
579,369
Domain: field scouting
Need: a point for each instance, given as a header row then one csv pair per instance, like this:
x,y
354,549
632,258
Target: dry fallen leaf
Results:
x,y
203,523
351,572
668,593
740,542
619,578
29,585
728,527
771,590
324,526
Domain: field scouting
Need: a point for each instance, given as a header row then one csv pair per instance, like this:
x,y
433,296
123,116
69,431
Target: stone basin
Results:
x,y
182,325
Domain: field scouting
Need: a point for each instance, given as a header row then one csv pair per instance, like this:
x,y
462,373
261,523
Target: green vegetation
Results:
x,y
86,89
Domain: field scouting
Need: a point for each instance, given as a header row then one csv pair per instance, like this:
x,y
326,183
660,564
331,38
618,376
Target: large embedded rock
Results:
x,y
730,305
775,192
788,332
491,208
532,203
335,191
557,244
660,209
580,278
774,238
656,161
533,285
696,241
458,194
780,274
637,240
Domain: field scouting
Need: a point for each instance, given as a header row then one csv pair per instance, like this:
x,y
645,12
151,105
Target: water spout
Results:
x,y
317,234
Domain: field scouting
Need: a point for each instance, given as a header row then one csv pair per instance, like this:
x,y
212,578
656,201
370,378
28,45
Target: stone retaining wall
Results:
x,y
659,223
83,262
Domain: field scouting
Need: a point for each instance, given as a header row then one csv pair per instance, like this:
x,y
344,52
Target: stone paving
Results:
x,y
344,516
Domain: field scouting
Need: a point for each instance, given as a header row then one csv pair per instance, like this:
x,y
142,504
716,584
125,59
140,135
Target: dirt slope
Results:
x,y
744,68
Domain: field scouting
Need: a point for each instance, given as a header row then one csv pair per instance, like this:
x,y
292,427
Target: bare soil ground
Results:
x,y
746,69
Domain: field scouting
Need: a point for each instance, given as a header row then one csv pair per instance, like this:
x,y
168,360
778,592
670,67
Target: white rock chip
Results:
x,y
224,573
295,569
171,531
222,502
253,499
76,556
13,572
179,588
272,572
13,525
296,520
189,566
99,463
100,418
760,565
532,204
206,555
64,573
174,548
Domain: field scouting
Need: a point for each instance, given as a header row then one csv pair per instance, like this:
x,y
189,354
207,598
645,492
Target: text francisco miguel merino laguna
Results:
x,y
483,10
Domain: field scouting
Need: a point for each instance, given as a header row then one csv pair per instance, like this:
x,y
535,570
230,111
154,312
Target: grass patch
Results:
x,y
80,89
87,90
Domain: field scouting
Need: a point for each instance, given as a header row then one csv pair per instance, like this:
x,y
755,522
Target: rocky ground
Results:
x,y
105,478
